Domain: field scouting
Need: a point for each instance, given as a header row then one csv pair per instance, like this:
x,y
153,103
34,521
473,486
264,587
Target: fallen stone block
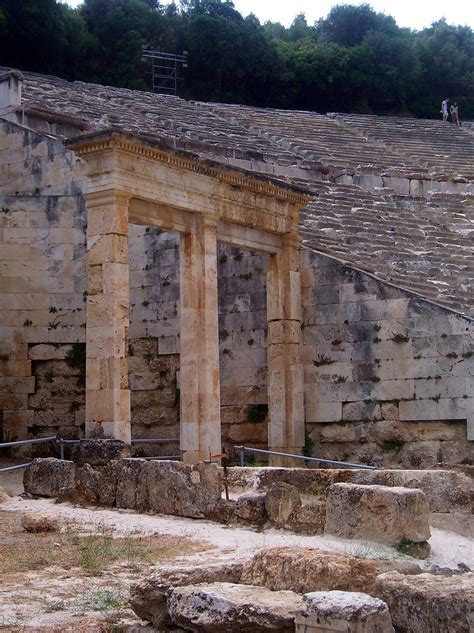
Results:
x,y
427,603
97,485
148,596
308,569
39,522
309,518
168,487
128,475
446,491
281,502
351,612
377,513
99,452
250,508
233,608
49,477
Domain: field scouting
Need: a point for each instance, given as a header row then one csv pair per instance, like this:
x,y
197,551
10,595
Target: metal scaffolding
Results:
x,y
165,70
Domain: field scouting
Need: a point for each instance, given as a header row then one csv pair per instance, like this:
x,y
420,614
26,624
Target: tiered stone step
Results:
x,y
443,148
317,138
427,249
183,124
421,244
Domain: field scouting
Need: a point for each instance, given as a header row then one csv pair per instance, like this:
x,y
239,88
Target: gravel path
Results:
x,y
447,548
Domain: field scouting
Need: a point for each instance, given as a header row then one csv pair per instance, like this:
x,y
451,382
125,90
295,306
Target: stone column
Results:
x,y
107,393
199,360
285,369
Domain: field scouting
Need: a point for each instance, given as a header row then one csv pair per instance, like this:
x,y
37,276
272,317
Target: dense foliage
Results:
x,y
353,60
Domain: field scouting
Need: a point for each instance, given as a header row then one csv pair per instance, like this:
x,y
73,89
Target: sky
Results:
x,y
415,14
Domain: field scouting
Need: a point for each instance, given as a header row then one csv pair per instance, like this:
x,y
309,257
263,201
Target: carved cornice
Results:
x,y
109,140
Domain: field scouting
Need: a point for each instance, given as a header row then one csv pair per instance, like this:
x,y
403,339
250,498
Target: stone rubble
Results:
x,y
39,522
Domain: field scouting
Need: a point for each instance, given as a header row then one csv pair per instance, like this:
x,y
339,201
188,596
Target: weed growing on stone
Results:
x,y
308,445
400,338
322,360
392,445
256,412
367,550
405,547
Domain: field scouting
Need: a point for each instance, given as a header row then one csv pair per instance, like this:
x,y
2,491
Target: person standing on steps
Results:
x,y
444,109
454,110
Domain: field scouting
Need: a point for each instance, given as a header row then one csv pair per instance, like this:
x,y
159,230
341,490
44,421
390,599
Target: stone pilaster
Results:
x,y
107,393
285,369
199,360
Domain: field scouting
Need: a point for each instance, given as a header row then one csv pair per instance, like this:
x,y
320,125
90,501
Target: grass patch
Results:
x,y
93,553
102,600
367,550
406,547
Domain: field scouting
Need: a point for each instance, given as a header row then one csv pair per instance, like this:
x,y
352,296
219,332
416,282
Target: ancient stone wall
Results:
x,y
42,223
42,295
388,376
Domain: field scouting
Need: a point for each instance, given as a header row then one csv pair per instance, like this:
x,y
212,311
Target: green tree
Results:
x,y
348,25
119,30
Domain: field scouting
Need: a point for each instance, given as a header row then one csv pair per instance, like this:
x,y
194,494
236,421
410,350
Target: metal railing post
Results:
x,y
242,456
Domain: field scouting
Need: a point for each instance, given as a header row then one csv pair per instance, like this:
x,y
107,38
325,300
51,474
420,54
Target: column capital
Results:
x,y
207,220
106,197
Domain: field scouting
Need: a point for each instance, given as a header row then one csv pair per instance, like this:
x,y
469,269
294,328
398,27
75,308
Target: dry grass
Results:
x,y
22,552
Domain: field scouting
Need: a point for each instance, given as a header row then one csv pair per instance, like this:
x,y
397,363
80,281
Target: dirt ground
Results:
x,y
77,579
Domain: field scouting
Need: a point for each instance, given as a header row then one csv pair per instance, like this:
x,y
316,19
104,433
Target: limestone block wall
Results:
x,y
388,376
42,246
243,346
42,309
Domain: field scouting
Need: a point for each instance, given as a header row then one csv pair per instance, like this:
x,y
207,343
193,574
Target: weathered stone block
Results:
x,y
426,603
309,518
128,475
250,508
377,513
351,612
308,569
99,452
233,608
39,522
446,491
50,477
97,485
148,596
281,502
179,489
